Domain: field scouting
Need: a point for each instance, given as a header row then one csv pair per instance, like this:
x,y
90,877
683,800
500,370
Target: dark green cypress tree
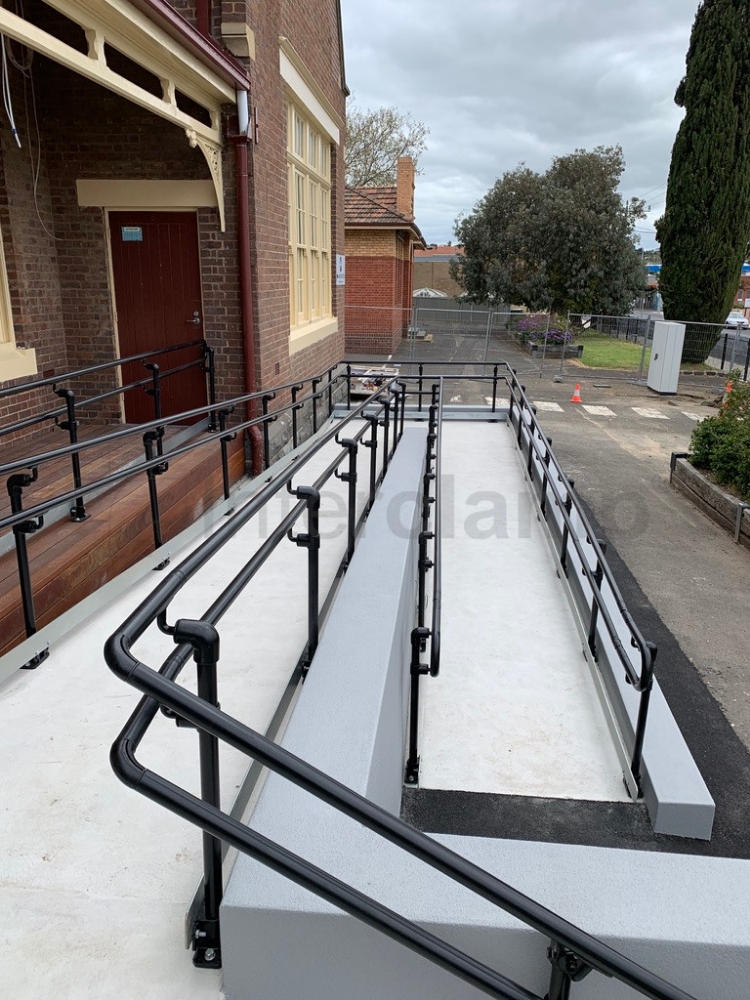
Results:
x,y
706,224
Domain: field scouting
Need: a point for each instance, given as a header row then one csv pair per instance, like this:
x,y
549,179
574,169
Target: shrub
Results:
x,y
721,444
533,329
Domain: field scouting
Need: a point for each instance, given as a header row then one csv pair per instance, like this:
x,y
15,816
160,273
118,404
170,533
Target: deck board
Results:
x,y
69,561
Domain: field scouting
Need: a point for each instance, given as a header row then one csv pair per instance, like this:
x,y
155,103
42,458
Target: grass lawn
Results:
x,y
600,351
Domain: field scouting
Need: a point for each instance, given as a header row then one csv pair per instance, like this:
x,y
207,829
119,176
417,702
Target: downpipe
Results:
x,y
241,143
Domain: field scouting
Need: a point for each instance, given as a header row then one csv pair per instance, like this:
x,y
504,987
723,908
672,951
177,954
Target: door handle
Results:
x,y
196,320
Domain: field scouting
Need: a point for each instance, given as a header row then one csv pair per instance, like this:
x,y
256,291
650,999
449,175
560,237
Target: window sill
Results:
x,y
305,336
15,362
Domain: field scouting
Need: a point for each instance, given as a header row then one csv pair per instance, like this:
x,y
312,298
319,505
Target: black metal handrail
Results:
x,y
27,521
155,608
552,475
437,544
151,383
573,953
32,461
430,508
38,383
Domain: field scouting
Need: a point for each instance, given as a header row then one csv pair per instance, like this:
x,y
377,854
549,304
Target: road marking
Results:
x,y
599,411
549,407
693,416
643,411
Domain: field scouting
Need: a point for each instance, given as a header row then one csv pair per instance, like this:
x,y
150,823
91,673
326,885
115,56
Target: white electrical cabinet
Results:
x,y
666,355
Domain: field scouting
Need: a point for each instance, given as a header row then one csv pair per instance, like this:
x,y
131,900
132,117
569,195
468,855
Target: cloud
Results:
x,y
504,81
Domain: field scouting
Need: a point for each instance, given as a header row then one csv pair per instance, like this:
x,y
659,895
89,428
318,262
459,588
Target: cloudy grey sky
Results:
x,y
503,81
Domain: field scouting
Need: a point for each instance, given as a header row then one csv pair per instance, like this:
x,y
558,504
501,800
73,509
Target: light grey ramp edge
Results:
x,y
676,796
682,916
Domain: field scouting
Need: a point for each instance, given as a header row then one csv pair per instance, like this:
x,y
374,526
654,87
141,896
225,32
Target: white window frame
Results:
x,y
314,320
309,238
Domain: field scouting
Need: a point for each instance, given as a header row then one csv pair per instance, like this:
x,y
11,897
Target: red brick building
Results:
x,y
176,173
381,236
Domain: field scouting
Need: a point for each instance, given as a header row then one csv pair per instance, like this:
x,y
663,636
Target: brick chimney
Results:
x,y
405,186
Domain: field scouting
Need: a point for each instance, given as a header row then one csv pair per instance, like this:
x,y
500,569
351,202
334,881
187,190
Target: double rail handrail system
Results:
x,y
23,472
572,953
431,509
555,490
379,434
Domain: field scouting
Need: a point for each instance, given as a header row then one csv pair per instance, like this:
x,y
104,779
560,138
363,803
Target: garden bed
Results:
x,y
552,350
722,507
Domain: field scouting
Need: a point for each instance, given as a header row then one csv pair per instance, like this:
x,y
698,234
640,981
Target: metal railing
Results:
x,y
151,384
380,433
431,509
572,952
23,472
554,491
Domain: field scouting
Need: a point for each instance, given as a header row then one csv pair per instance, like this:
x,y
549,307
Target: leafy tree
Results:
x,y
563,240
706,222
376,139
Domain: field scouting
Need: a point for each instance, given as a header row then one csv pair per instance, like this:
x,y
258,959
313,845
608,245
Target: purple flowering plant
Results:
x,y
532,329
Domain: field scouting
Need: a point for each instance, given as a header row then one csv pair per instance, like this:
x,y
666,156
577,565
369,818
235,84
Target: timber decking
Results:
x,y
69,561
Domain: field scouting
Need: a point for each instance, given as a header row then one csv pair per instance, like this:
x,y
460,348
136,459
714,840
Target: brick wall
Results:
x,y
435,274
62,301
378,290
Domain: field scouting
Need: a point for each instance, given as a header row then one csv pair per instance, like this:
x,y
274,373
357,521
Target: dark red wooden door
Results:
x,y
156,273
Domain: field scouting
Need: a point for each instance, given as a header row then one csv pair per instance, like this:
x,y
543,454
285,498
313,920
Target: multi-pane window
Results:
x,y
309,188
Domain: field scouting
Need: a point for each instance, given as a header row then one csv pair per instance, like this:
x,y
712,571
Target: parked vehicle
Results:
x,y
737,320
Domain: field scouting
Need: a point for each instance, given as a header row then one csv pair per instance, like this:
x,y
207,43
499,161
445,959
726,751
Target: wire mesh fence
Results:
x,y
575,345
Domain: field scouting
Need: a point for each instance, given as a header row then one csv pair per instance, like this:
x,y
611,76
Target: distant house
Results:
x,y
432,268
381,237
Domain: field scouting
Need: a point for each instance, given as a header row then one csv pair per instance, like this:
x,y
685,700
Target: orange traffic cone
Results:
x,y
577,395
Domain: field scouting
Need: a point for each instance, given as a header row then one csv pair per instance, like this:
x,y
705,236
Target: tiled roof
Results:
x,y
362,207
386,196
439,251
376,206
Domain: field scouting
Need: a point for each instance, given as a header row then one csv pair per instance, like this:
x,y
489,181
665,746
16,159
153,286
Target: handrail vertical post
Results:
x,y
315,383
209,355
545,477
598,577
640,726
78,510
568,504
424,563
310,541
567,968
330,391
295,406
386,431
266,421
204,639
372,444
155,393
350,478
416,669
402,390
348,387
16,485
419,384
148,442
224,441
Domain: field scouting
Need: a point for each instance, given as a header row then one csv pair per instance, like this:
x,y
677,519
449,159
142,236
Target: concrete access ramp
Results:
x,y
678,915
